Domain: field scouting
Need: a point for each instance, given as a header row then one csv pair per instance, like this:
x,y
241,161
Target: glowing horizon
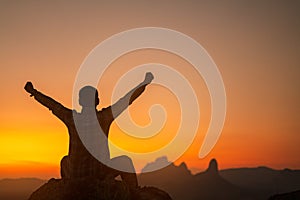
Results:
x,y
257,57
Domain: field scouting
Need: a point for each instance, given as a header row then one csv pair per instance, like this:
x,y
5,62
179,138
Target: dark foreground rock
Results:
x,y
94,189
286,196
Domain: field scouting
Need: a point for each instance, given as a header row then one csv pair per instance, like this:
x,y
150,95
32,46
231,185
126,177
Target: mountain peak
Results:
x,y
184,166
157,164
213,166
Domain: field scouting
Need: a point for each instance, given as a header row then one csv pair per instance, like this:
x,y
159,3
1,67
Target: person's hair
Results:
x,y
88,96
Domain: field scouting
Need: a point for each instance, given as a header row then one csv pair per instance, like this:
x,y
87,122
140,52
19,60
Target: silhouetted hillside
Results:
x,y
18,189
295,195
181,184
153,166
91,188
262,181
245,183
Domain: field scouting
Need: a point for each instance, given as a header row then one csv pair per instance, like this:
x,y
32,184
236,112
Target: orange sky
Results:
x,y
255,45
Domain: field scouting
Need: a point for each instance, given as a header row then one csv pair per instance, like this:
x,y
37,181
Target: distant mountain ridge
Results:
x,y
264,178
181,184
239,183
18,189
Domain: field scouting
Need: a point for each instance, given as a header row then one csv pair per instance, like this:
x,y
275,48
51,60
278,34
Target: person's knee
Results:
x,y
125,159
123,163
64,167
64,161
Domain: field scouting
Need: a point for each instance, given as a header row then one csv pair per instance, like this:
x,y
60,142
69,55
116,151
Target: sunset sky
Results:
x,y
255,45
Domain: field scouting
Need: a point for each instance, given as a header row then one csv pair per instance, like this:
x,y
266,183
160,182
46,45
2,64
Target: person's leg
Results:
x,y
124,167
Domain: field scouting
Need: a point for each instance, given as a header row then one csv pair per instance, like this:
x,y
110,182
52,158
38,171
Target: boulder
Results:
x,y
94,189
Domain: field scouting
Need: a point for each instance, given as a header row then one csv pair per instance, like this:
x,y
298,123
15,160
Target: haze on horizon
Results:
x,y
255,44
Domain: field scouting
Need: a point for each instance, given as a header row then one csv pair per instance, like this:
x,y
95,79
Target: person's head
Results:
x,y
88,97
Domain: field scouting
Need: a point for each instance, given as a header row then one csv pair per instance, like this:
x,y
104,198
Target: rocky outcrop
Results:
x,y
213,167
286,196
94,189
181,184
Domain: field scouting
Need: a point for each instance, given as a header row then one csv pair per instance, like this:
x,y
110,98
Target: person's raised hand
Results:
x,y
29,88
148,78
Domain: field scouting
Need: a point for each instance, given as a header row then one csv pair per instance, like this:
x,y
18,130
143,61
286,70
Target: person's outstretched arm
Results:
x,y
125,101
57,109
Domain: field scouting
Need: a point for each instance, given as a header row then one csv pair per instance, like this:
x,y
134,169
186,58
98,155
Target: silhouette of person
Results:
x,y
80,162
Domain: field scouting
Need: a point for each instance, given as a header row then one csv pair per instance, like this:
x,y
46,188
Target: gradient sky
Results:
x,y
255,44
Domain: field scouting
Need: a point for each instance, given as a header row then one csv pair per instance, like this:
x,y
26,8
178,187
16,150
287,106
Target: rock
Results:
x,y
151,193
92,189
213,167
181,184
286,196
157,164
